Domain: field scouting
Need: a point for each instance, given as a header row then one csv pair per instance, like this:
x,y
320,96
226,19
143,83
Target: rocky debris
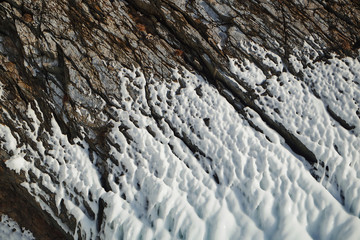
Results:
x,y
66,55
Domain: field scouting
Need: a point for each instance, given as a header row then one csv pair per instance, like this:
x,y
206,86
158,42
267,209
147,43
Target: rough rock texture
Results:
x,y
62,60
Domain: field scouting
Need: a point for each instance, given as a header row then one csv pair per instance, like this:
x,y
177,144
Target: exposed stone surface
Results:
x,y
66,55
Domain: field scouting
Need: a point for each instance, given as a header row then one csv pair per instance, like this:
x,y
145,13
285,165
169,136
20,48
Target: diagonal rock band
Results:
x,y
96,72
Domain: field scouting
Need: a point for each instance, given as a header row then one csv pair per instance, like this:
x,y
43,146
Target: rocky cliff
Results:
x,y
155,118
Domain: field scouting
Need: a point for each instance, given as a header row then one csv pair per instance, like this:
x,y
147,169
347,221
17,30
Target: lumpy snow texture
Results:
x,y
10,230
198,170
292,103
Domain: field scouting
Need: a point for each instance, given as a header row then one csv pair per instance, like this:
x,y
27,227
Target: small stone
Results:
x,y
28,18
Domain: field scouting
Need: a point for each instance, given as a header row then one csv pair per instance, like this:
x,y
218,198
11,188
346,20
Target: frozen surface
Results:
x,y
184,164
10,230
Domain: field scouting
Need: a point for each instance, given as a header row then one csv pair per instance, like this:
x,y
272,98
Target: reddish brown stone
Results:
x,y
28,18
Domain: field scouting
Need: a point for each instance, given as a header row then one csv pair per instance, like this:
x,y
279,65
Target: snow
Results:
x,y
8,140
295,106
264,190
10,230
198,170
17,163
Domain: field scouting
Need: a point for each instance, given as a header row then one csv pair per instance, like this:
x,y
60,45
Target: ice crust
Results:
x,y
235,184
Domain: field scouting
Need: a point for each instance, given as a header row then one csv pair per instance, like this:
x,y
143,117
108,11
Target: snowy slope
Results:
x,y
306,115
198,170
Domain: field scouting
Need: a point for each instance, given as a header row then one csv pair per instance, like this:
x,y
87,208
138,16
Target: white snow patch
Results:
x,y
10,230
18,163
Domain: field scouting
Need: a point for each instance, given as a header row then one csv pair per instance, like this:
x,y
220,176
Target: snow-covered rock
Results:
x,y
181,119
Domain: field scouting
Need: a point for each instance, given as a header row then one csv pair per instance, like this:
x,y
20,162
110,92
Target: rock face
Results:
x,y
88,86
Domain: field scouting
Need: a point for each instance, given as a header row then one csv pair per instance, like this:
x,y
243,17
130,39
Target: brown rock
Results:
x,y
28,17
